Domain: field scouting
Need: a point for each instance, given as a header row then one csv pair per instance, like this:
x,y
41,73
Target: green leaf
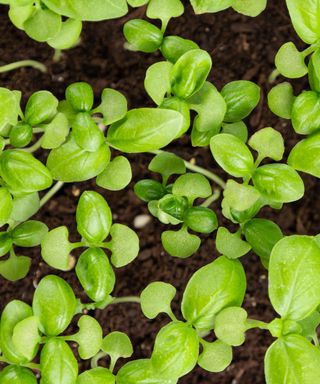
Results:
x,y
156,298
29,233
89,337
56,248
94,217
54,303
241,97
305,156
5,243
58,364
314,72
231,244
97,375
117,345
238,129
294,287
13,374
281,99
19,13
279,183
123,252
80,96
68,35
204,6
145,129
304,17
21,135
174,206
167,164
212,288
113,107
216,356
190,72
14,312
137,3
42,25
310,324
23,173
139,371
25,206
290,62
26,337
6,206
240,197
305,117
117,174
41,107
173,47
180,243
268,143
176,350
292,359
70,163
157,81
164,10
262,235
192,186
56,132
15,267
251,8
86,132
9,108
232,155
90,10
181,106
95,274
230,325
142,36
208,119
149,190
201,219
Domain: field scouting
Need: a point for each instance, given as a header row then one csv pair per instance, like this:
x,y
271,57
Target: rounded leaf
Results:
x,y
21,135
41,106
13,374
230,325
6,206
305,117
42,24
216,356
149,190
192,186
29,234
180,243
117,174
173,47
156,298
89,337
97,375
80,96
268,143
281,99
116,345
290,62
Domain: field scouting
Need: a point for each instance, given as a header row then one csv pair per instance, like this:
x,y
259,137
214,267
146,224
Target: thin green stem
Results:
x,y
112,364
57,55
96,358
172,315
23,63
315,340
252,323
126,299
196,168
215,196
273,76
34,147
51,193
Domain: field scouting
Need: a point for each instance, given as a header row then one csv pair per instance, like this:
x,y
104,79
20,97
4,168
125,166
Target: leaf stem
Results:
x,y
23,63
34,147
252,323
51,193
215,196
196,168
126,299
96,358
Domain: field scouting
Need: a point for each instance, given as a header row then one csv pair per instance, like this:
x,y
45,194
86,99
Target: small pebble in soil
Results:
x,y
141,221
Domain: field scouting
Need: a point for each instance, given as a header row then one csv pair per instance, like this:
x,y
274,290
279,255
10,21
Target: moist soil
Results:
x,y
242,48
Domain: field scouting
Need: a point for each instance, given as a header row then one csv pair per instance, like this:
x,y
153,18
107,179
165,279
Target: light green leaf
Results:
x,y
305,116
238,129
117,175
216,356
167,164
25,206
203,6
6,206
113,107
68,35
42,25
156,298
240,197
145,129
13,374
123,252
230,325
251,8
157,81
294,287
268,143
164,10
26,337
231,244
97,375
89,337
180,243
192,186
15,267
281,99
290,62
116,345
213,287
55,132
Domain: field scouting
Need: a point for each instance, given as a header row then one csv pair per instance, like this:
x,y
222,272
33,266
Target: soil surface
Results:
x,y
242,48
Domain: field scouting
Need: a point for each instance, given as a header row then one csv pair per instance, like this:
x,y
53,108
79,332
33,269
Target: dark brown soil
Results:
x,y
242,48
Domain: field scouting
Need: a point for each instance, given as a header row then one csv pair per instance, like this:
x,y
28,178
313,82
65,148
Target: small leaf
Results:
x,y
149,190
251,8
54,303
290,62
173,47
41,107
156,298
281,99
305,117
15,267
268,143
216,356
123,252
55,249
313,71
238,129
164,10
13,374
145,129
157,81
6,206
232,155
55,132
25,206
97,375
29,234
42,25
230,325
117,174
86,132
204,6
231,244
116,345
167,164
180,243
89,337
80,96
113,107
192,186
201,219
5,243
26,337
94,217
240,197
68,35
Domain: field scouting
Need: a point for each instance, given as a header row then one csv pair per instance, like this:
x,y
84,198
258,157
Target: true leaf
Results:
x,y
13,374
6,206
29,234
305,118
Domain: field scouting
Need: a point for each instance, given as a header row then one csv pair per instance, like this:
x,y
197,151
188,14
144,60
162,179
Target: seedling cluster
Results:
x,y
50,142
